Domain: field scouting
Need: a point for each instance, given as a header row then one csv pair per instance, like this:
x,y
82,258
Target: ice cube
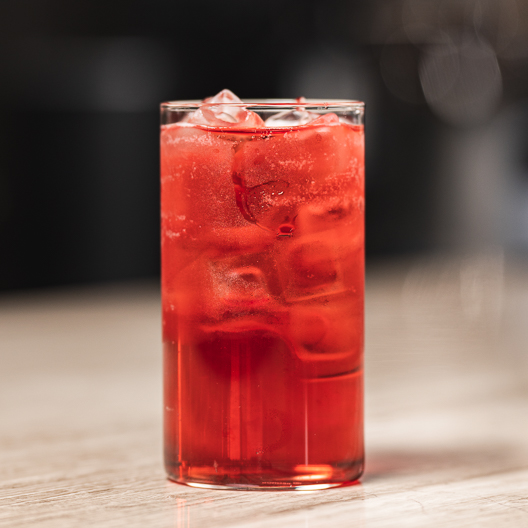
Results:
x,y
238,284
246,284
342,331
310,267
224,96
327,337
247,239
238,295
266,205
326,120
196,181
327,213
225,110
291,118
307,326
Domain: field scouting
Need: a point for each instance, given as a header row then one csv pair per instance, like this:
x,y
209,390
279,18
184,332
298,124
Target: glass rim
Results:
x,y
271,104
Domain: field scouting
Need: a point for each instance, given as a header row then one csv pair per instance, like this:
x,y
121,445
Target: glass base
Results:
x,y
299,478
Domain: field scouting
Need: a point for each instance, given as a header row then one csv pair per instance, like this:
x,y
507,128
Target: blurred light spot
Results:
x,y
517,49
461,81
497,21
439,69
419,19
399,70
423,33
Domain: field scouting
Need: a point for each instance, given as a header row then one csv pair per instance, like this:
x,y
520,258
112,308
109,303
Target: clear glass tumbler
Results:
x,y
263,292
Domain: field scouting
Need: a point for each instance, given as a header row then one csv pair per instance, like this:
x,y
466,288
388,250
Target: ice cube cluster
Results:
x,y
305,291
225,109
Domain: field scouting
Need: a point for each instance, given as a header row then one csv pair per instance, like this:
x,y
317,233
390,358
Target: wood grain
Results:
x,y
446,410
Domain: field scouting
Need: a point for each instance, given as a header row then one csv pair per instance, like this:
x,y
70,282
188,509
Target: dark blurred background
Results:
x,y
445,82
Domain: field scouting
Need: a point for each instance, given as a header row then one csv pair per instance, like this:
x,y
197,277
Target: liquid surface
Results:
x,y
263,286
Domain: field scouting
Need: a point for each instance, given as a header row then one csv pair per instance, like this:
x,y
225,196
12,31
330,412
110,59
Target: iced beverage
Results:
x,y
262,292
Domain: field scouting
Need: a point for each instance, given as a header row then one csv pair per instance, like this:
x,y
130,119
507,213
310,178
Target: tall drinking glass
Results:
x,y
263,292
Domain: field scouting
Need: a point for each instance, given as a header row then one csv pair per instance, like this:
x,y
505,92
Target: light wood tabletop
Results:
x,y
446,409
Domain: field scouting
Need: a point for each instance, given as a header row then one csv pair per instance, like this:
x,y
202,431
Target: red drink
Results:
x,y
262,286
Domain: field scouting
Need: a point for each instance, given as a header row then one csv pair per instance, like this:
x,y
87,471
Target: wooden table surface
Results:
x,y
446,409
